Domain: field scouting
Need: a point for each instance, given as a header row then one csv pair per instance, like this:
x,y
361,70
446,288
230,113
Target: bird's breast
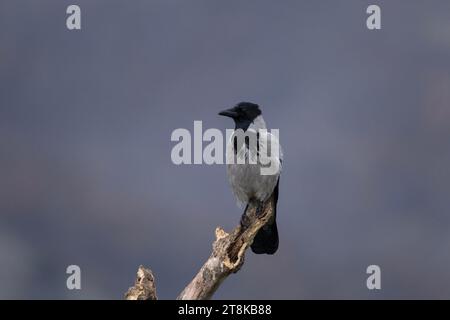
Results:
x,y
247,182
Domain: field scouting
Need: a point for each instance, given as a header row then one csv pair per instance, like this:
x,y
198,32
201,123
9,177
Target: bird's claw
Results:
x,y
245,221
259,209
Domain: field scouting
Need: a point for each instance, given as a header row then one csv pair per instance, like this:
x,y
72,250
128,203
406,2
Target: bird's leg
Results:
x,y
245,221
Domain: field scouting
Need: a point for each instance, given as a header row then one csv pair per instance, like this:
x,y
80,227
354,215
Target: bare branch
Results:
x,y
227,257
228,254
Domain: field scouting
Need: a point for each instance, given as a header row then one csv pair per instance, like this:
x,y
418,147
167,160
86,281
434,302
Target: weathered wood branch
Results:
x,y
227,257
144,286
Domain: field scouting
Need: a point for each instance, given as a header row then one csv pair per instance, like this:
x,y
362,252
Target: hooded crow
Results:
x,y
248,183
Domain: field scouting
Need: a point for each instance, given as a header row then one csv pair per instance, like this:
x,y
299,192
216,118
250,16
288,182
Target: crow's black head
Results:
x,y
243,114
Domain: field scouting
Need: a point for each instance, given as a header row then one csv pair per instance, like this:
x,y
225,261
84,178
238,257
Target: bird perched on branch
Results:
x,y
253,167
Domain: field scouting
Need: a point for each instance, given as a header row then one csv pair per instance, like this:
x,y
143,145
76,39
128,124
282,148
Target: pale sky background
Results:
x,y
86,117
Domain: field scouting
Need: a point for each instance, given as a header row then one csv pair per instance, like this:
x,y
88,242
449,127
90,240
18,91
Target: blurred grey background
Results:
x,y
86,117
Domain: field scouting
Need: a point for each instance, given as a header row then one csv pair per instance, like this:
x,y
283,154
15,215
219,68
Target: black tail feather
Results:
x,y
266,240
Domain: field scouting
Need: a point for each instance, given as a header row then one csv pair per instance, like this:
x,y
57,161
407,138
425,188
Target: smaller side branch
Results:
x,y
144,286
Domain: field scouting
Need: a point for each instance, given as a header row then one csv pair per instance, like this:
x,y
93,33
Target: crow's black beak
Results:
x,y
228,113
